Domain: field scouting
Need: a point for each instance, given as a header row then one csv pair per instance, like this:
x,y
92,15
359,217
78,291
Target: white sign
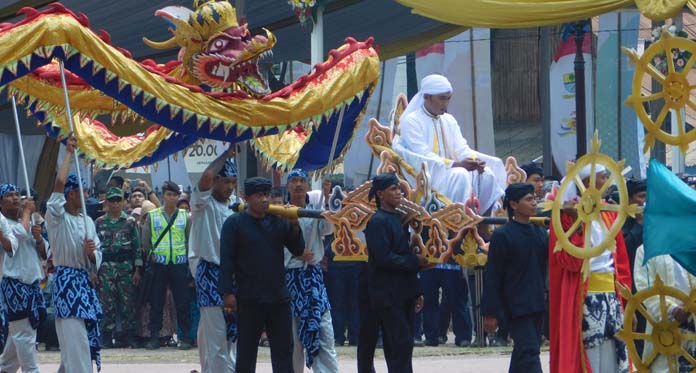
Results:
x,y
199,155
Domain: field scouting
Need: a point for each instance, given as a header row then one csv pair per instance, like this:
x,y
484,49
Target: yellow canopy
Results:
x,y
533,13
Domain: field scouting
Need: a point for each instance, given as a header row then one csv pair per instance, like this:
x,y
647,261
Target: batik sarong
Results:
x,y
209,295
309,302
23,301
687,327
602,320
3,322
75,297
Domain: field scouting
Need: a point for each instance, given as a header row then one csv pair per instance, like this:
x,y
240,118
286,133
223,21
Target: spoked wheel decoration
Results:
x,y
666,337
590,205
675,92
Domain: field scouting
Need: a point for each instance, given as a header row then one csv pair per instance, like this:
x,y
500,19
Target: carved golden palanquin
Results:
x,y
441,228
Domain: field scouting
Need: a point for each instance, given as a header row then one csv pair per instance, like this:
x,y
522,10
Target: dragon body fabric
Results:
x,y
214,89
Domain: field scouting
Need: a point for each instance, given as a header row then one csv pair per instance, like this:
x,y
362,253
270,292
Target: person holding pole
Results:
x,y
210,207
394,292
252,277
8,243
312,327
22,273
76,253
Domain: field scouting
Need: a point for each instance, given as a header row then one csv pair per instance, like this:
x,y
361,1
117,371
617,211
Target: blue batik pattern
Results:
x,y
75,297
209,295
688,328
3,322
23,301
309,302
602,320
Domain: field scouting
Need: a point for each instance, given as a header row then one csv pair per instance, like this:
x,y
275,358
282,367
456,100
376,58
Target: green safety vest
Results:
x,y
172,247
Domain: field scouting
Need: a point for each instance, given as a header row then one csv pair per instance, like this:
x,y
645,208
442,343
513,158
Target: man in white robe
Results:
x,y
674,275
427,133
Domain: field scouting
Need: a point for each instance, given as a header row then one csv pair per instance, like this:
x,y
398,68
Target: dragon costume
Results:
x,y
214,89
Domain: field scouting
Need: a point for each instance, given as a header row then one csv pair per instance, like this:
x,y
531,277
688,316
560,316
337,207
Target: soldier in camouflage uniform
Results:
x,y
120,271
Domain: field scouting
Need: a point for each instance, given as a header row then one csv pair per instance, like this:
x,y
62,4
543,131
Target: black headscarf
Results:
x,y
532,168
382,182
515,192
254,185
636,186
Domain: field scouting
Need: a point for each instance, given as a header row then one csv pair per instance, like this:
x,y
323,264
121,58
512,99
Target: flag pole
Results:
x,y
21,148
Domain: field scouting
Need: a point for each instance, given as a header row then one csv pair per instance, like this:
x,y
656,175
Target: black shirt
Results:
x,y
633,237
392,266
515,278
251,252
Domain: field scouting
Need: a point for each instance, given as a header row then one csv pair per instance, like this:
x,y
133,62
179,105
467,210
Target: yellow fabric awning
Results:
x,y
534,13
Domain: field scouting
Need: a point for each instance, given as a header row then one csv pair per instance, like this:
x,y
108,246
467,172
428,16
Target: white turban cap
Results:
x,y
433,84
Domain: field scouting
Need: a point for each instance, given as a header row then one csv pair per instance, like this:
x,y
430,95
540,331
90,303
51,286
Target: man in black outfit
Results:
x,y
515,278
632,231
251,257
368,332
393,287
633,227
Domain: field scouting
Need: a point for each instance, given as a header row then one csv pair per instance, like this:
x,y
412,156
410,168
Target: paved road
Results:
x,y
448,360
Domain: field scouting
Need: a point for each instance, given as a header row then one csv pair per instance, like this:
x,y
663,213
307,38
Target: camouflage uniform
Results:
x,y
121,254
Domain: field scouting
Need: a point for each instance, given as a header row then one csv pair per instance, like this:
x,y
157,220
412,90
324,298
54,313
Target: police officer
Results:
x,y
165,241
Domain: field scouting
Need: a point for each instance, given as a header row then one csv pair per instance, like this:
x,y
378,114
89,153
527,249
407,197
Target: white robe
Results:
x,y
672,274
438,142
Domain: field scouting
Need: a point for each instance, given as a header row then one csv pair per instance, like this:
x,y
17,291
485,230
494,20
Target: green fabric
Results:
x,y
119,236
117,296
114,192
670,218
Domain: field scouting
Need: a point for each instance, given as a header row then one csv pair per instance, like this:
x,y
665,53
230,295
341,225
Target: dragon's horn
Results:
x,y
177,17
171,43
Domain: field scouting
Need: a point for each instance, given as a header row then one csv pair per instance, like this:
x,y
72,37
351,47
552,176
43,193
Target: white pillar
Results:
x,y
317,56
317,41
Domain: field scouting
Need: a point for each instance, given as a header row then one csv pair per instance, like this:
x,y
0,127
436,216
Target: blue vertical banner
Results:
x,y
616,122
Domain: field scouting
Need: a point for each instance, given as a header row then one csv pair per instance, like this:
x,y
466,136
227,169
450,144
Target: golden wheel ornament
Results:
x,y
666,336
675,93
659,10
590,204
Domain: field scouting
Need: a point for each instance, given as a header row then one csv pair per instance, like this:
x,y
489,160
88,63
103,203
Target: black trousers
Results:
x,y
176,277
341,285
368,332
397,323
526,333
456,293
252,318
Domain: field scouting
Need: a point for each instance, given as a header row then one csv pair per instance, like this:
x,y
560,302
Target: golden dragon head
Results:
x,y
215,49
